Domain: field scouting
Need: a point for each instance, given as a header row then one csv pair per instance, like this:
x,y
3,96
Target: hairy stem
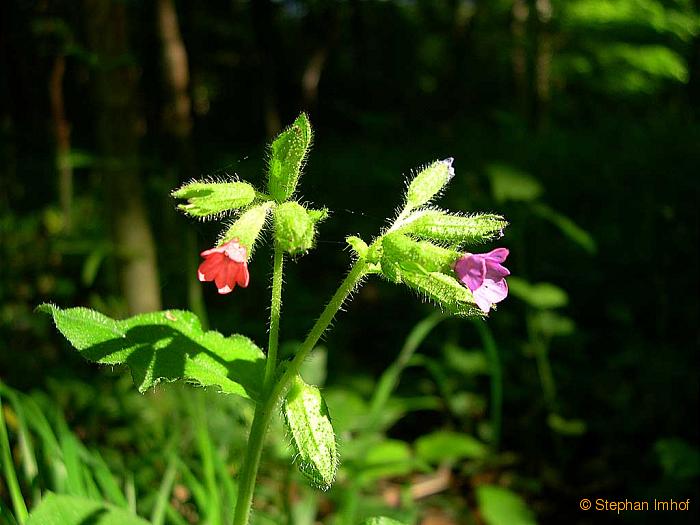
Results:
x,y
275,310
266,408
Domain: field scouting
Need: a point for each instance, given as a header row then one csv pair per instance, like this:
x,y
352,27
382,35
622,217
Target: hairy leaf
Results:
x,y
166,345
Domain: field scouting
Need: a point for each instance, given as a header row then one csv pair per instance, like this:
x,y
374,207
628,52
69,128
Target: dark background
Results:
x,y
577,120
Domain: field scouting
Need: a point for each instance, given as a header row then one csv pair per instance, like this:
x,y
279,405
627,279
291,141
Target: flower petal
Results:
x,y
471,270
497,255
211,267
495,271
243,276
490,292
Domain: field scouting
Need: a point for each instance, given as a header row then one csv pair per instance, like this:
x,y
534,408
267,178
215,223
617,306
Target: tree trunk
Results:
x,y
261,12
119,127
177,124
520,13
62,135
544,61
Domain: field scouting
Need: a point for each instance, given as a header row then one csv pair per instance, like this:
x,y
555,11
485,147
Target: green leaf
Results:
x,y
500,506
568,227
540,295
168,345
388,458
566,427
312,435
510,183
71,510
287,156
428,183
678,458
445,446
381,520
209,199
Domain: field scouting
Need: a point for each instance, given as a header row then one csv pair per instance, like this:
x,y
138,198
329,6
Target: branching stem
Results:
x,y
274,395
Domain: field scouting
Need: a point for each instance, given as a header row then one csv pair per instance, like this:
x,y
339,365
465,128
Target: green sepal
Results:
x,y
401,253
210,199
247,227
311,433
295,227
454,229
287,156
428,183
446,291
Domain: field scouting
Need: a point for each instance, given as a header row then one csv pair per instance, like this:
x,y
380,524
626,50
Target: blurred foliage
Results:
x,y
576,120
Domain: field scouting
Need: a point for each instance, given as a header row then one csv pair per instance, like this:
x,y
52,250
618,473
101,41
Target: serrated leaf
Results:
x,y
287,156
500,506
208,199
311,432
449,446
57,509
168,345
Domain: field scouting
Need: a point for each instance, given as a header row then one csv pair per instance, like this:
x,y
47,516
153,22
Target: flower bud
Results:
x,y
311,432
287,156
358,246
207,199
295,227
455,229
428,183
247,227
400,252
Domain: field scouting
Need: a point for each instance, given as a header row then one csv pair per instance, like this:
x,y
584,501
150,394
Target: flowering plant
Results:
x,y
422,247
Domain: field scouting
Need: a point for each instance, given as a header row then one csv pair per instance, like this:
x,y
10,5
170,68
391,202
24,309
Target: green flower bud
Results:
x,y
209,199
454,229
287,156
446,291
295,227
247,227
358,246
401,253
428,183
311,433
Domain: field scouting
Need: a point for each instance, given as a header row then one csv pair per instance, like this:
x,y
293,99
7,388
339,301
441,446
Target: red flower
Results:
x,y
226,265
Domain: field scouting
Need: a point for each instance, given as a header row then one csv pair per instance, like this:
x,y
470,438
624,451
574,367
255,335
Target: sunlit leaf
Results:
x,y
168,345
500,506
57,509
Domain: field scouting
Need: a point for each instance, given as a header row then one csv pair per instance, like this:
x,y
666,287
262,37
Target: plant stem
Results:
x,y
266,408
496,379
275,310
10,474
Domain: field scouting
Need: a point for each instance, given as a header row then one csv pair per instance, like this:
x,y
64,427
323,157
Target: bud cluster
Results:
x,y
422,246
294,224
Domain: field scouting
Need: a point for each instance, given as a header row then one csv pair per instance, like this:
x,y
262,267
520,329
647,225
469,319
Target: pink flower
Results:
x,y
483,274
226,265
